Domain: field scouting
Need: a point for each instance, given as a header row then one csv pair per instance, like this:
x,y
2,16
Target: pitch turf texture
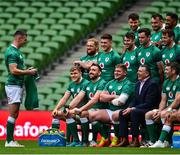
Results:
x,y
31,147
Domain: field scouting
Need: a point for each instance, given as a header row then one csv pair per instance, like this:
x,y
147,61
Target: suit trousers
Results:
x,y
136,117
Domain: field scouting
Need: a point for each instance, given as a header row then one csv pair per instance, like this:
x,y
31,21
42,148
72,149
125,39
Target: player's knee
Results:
x,y
115,117
149,115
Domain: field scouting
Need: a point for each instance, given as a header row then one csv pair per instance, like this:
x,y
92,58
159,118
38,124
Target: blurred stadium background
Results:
x,y
57,31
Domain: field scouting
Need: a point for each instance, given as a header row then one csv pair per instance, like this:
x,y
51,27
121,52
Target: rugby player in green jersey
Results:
x,y
150,55
172,115
170,91
77,84
92,48
172,23
171,51
117,94
92,94
14,60
129,57
134,24
157,26
108,58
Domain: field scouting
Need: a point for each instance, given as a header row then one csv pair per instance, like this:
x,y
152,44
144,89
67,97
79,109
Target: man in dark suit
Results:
x,y
147,96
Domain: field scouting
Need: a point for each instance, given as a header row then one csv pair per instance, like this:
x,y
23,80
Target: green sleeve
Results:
x,y
69,87
101,86
12,59
127,88
157,54
116,58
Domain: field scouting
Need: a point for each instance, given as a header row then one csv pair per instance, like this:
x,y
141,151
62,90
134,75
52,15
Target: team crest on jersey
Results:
x,y
72,89
107,59
91,95
113,93
142,61
87,88
171,55
170,94
101,65
156,37
166,61
132,57
119,88
148,54
127,64
174,88
110,87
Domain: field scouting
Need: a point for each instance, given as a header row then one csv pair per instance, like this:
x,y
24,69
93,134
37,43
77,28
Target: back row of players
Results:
x,y
110,77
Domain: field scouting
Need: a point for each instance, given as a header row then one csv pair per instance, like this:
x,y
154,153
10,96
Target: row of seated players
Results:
x,y
118,102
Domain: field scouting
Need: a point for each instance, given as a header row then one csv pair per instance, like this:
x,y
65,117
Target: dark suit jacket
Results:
x,y
150,96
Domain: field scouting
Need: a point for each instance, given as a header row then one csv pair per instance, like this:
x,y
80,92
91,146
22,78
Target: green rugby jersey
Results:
x,y
86,59
136,36
14,56
75,88
91,89
170,88
156,36
107,62
130,59
170,54
177,34
150,56
116,87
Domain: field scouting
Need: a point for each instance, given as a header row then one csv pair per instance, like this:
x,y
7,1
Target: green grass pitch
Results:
x,y
31,147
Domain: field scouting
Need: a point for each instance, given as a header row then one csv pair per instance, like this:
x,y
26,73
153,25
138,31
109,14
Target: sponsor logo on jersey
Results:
x,y
163,55
127,64
139,54
167,88
72,89
142,61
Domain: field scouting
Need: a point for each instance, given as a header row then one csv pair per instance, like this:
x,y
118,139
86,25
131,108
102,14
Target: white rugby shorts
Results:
x,y
14,93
